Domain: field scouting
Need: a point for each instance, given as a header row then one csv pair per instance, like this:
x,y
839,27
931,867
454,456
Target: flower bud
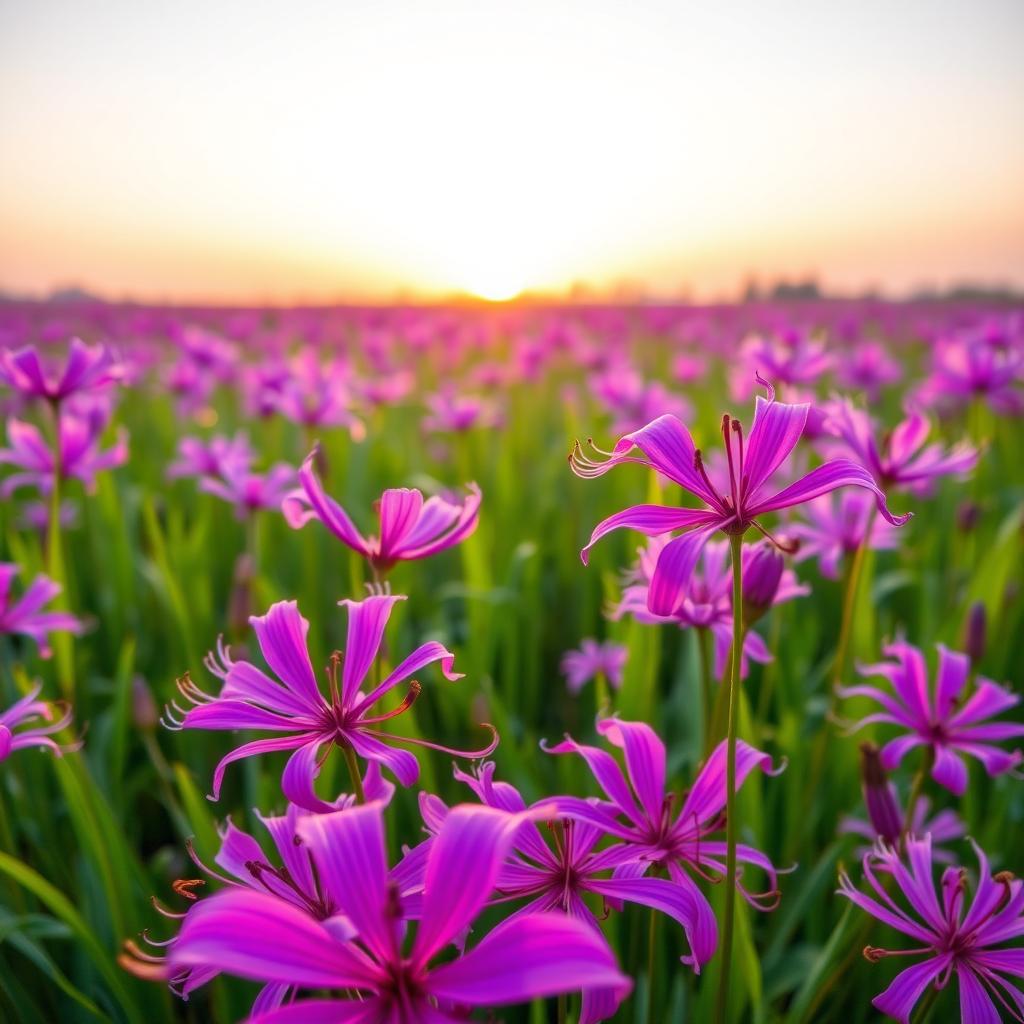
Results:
x,y
145,714
879,796
762,571
967,515
974,632
240,602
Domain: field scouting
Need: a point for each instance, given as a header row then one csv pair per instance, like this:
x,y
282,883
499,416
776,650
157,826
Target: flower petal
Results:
x,y
530,957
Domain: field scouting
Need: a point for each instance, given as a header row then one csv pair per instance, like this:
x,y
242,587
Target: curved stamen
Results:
x,y
410,698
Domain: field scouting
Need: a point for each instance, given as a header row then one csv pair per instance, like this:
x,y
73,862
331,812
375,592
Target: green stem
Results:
x,y
927,1005
602,695
652,950
353,774
731,824
849,605
915,791
706,685
563,1008
55,570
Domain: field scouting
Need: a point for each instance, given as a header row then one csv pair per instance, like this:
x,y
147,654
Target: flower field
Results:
x,y
527,663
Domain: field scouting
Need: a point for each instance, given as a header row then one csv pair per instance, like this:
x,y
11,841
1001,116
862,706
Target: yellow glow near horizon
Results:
x,y
222,151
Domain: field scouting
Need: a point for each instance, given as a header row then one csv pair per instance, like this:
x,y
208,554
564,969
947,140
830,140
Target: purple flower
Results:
x,y
867,367
453,413
968,367
35,515
531,956
639,813
250,699
793,358
836,526
558,876
319,395
947,721
87,367
633,401
219,456
244,865
706,602
26,710
25,616
668,448
410,528
238,485
902,459
592,658
955,934
80,454
885,816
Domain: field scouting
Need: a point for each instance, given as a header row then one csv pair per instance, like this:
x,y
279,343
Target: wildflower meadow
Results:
x,y
536,663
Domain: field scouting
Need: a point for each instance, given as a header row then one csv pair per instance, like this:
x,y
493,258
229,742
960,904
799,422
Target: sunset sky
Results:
x,y
226,150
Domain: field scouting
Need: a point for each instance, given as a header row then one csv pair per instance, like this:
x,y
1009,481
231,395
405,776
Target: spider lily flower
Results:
x,y
945,719
885,815
867,367
667,447
191,386
241,863
238,485
592,658
555,866
25,615
410,528
952,932
250,699
319,395
632,401
27,709
87,367
451,413
795,359
80,456
706,602
966,367
902,459
380,975
638,812
219,456
835,526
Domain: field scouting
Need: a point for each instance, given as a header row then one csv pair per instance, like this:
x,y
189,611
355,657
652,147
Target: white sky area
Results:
x,y
230,150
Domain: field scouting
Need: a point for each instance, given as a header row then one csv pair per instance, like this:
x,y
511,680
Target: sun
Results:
x,y
496,287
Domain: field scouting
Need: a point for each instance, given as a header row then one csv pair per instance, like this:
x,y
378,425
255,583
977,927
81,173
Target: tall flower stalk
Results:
x,y
736,547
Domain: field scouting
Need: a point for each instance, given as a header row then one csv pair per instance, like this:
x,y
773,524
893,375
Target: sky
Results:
x,y
245,151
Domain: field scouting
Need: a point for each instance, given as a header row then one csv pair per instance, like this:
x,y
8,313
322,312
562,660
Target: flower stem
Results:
x,y
915,791
563,1008
353,773
706,688
849,604
55,570
925,1011
652,950
731,830
601,695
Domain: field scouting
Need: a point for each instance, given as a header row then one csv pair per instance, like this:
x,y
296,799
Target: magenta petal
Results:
x,y
420,658
282,637
462,868
651,520
323,1011
775,431
530,957
681,900
349,849
829,477
299,775
645,760
400,763
900,998
672,574
707,797
366,622
249,750
975,1004
330,513
258,936
400,508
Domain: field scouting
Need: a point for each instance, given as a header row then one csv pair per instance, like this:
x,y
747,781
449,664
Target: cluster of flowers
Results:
x,y
326,910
